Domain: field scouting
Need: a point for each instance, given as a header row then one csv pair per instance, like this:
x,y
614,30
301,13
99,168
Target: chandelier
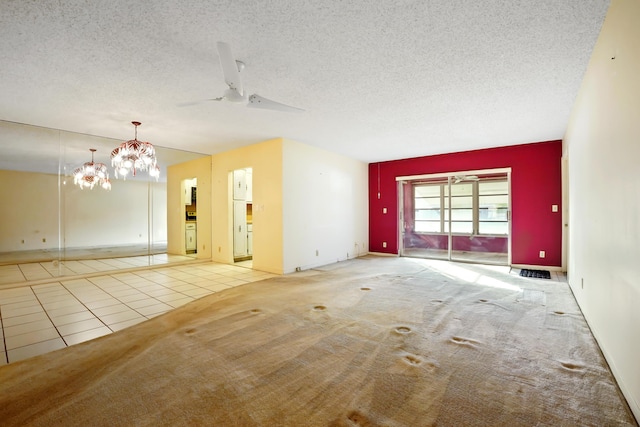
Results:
x,y
91,173
135,155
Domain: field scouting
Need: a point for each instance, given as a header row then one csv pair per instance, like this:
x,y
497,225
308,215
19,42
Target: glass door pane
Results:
x,y
482,234
423,219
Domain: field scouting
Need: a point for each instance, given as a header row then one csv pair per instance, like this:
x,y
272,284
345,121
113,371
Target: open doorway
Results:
x,y
462,216
243,217
190,187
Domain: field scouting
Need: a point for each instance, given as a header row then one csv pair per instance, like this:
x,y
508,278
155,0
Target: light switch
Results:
x,y
554,208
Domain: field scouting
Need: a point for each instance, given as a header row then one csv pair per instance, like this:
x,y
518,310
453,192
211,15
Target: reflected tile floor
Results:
x,y
40,318
27,271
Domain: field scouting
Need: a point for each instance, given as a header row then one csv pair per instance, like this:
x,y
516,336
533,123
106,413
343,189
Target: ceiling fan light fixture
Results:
x,y
91,174
134,155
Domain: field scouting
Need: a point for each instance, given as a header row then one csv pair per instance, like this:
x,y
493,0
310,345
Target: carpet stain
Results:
x,y
573,367
413,360
402,330
468,342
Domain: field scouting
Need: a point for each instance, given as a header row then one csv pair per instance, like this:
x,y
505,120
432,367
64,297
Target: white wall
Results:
x,y
325,207
602,144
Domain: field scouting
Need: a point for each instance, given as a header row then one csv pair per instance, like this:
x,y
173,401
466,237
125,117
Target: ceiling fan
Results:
x,y
231,68
460,178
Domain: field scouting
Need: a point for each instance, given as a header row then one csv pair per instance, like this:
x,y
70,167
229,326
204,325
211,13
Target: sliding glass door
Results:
x,y
457,216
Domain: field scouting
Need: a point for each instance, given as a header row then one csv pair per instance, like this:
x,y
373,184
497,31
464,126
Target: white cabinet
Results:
x,y
189,190
239,228
249,185
239,184
190,237
242,197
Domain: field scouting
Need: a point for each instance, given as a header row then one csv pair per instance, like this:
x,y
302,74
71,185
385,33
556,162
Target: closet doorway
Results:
x,y
190,190
243,217
457,216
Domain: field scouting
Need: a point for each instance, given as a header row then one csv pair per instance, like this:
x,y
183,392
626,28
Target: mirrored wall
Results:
x,y
51,227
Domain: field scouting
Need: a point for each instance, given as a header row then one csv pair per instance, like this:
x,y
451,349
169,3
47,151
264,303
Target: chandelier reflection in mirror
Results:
x,y
135,155
91,173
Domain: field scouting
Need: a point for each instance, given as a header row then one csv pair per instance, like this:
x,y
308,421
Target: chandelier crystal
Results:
x,y
135,155
91,173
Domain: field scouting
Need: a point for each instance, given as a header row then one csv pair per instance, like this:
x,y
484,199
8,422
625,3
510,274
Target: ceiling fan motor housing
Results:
x,y
232,95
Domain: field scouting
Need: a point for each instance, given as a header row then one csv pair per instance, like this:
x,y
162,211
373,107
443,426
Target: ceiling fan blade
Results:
x,y
257,101
189,104
229,67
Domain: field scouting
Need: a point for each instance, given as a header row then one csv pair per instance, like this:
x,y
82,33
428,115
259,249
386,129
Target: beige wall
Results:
x,y
29,211
200,169
36,207
266,161
602,145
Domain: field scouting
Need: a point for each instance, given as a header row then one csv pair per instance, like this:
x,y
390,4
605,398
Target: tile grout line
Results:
x,y
142,292
85,306
48,317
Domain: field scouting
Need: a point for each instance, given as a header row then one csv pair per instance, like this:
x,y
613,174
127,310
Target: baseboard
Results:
x,y
379,254
626,391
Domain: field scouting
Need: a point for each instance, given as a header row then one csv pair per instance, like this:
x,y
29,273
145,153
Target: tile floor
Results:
x,y
38,318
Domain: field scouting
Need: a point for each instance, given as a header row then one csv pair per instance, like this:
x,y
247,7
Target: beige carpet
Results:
x,y
373,341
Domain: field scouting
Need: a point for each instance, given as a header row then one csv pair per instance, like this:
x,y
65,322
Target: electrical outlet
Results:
x,y
384,244
542,254
384,210
44,240
554,208
317,252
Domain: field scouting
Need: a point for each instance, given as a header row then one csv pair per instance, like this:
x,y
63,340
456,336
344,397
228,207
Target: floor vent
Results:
x,y
538,274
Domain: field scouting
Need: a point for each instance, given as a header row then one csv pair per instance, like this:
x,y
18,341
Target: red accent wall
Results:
x,y
536,184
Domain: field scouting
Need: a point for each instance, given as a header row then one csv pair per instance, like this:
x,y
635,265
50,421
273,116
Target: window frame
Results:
x,y
445,211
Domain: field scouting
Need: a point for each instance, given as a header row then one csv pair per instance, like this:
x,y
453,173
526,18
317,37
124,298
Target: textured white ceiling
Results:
x,y
379,80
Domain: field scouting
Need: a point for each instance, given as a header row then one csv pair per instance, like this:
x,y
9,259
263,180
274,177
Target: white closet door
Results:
x,y
239,228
